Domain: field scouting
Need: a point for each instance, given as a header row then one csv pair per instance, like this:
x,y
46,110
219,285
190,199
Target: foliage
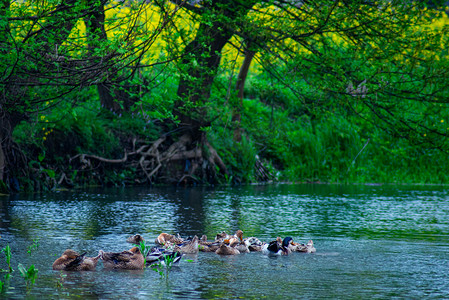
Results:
x,y
33,247
29,275
144,249
7,251
164,267
337,91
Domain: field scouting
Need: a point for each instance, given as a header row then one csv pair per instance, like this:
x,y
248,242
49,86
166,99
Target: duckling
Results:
x,y
159,255
127,260
164,238
135,239
71,260
227,250
188,247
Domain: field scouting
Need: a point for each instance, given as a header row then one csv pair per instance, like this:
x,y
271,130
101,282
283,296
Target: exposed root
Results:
x,y
182,161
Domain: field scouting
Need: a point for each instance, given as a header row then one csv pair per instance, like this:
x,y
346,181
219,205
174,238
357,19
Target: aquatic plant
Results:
x,y
60,281
5,283
144,249
164,267
7,251
33,246
28,275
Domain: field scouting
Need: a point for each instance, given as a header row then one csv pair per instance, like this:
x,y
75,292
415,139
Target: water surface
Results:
x,y
372,242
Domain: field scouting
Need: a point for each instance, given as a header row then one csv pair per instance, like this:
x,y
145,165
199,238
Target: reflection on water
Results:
x,y
372,241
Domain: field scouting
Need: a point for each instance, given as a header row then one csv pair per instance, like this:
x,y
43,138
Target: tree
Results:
x,y
382,61
49,56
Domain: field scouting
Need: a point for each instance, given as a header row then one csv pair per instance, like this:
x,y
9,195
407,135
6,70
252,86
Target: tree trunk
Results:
x,y
111,98
240,86
9,161
201,60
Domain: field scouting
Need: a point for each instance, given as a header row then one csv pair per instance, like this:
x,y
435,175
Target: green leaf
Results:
x,y
22,270
50,173
41,156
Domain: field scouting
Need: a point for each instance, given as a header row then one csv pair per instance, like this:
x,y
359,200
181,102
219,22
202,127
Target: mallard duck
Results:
x,y
165,238
71,260
226,250
188,247
135,239
127,260
287,245
159,255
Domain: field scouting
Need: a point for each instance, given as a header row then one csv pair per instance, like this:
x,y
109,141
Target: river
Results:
x,y
373,242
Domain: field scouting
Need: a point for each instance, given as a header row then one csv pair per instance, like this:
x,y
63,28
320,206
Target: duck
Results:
x,y
272,248
126,260
188,247
230,239
165,238
71,260
226,250
206,246
277,247
220,237
135,239
308,248
239,245
253,244
160,255
287,245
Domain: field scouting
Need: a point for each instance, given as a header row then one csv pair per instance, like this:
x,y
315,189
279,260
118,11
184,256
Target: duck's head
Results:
x,y
239,234
134,250
287,241
135,239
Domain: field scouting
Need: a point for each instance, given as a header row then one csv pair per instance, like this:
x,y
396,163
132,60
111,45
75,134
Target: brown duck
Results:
x,y
205,246
71,260
135,239
165,238
188,247
126,260
226,250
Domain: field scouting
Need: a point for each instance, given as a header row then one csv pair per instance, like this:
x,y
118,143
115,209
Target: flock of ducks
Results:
x,y
173,247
